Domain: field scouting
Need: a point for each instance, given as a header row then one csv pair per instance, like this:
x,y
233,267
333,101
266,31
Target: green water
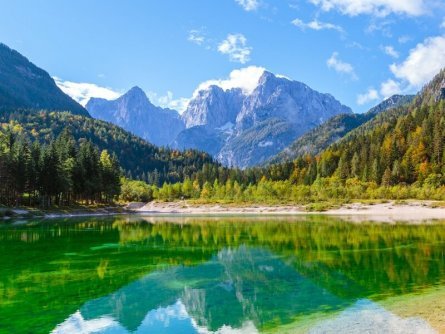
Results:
x,y
226,275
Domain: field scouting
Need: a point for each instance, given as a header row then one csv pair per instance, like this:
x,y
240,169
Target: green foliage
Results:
x,y
399,147
320,138
398,154
325,192
135,191
59,172
139,159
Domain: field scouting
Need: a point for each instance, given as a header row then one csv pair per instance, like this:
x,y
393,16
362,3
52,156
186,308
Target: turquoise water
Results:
x,y
219,275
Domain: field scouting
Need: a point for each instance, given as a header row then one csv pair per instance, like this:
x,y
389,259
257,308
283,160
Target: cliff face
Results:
x,y
248,129
134,112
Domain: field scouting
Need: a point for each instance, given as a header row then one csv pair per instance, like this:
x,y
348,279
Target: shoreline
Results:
x,y
409,211
412,211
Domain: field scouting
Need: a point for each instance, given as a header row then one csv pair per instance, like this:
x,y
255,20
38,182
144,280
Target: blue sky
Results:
x,y
360,51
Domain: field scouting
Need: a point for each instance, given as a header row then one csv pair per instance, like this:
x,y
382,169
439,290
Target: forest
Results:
x,y
58,158
138,158
60,172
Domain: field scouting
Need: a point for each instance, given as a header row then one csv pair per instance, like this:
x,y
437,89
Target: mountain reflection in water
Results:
x,y
230,275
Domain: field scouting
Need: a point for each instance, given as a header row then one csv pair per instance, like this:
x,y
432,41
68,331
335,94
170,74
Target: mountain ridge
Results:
x,y
138,158
334,129
278,109
24,85
400,146
135,112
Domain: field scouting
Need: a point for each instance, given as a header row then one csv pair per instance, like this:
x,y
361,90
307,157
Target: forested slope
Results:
x,y
138,158
318,139
402,145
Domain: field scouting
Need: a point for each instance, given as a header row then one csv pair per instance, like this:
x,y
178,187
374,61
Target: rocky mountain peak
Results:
x,y
213,107
136,113
250,128
136,92
136,97
267,78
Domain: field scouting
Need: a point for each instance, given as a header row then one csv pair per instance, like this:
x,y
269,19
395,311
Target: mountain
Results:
x,y
202,138
34,108
213,107
293,101
209,118
257,143
24,85
318,139
249,128
394,101
400,146
434,92
134,112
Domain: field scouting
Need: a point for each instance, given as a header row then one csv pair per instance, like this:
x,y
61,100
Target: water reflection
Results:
x,y
237,291
229,275
233,288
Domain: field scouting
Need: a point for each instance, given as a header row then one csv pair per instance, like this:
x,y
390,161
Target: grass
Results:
x,y
322,206
437,205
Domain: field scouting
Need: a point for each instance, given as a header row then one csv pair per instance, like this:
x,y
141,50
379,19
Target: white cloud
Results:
x,y
316,25
390,51
82,92
423,62
76,323
235,46
168,101
340,66
370,96
389,88
383,26
196,36
248,5
374,7
245,78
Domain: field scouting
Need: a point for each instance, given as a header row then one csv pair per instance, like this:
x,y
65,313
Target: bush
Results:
x,y
136,191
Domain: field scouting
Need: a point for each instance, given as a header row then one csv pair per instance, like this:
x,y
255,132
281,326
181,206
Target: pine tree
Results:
x,y
386,178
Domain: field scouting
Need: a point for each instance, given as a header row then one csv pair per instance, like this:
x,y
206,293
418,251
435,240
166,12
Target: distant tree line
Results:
x,y
59,172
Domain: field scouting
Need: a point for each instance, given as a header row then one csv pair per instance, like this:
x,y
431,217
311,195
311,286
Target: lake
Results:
x,y
134,274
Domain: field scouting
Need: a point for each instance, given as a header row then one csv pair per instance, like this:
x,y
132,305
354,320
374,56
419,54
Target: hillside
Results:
x,y
138,158
24,85
404,145
336,128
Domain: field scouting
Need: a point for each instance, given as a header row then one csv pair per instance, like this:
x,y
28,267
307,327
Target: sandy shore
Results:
x,y
411,211
384,212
